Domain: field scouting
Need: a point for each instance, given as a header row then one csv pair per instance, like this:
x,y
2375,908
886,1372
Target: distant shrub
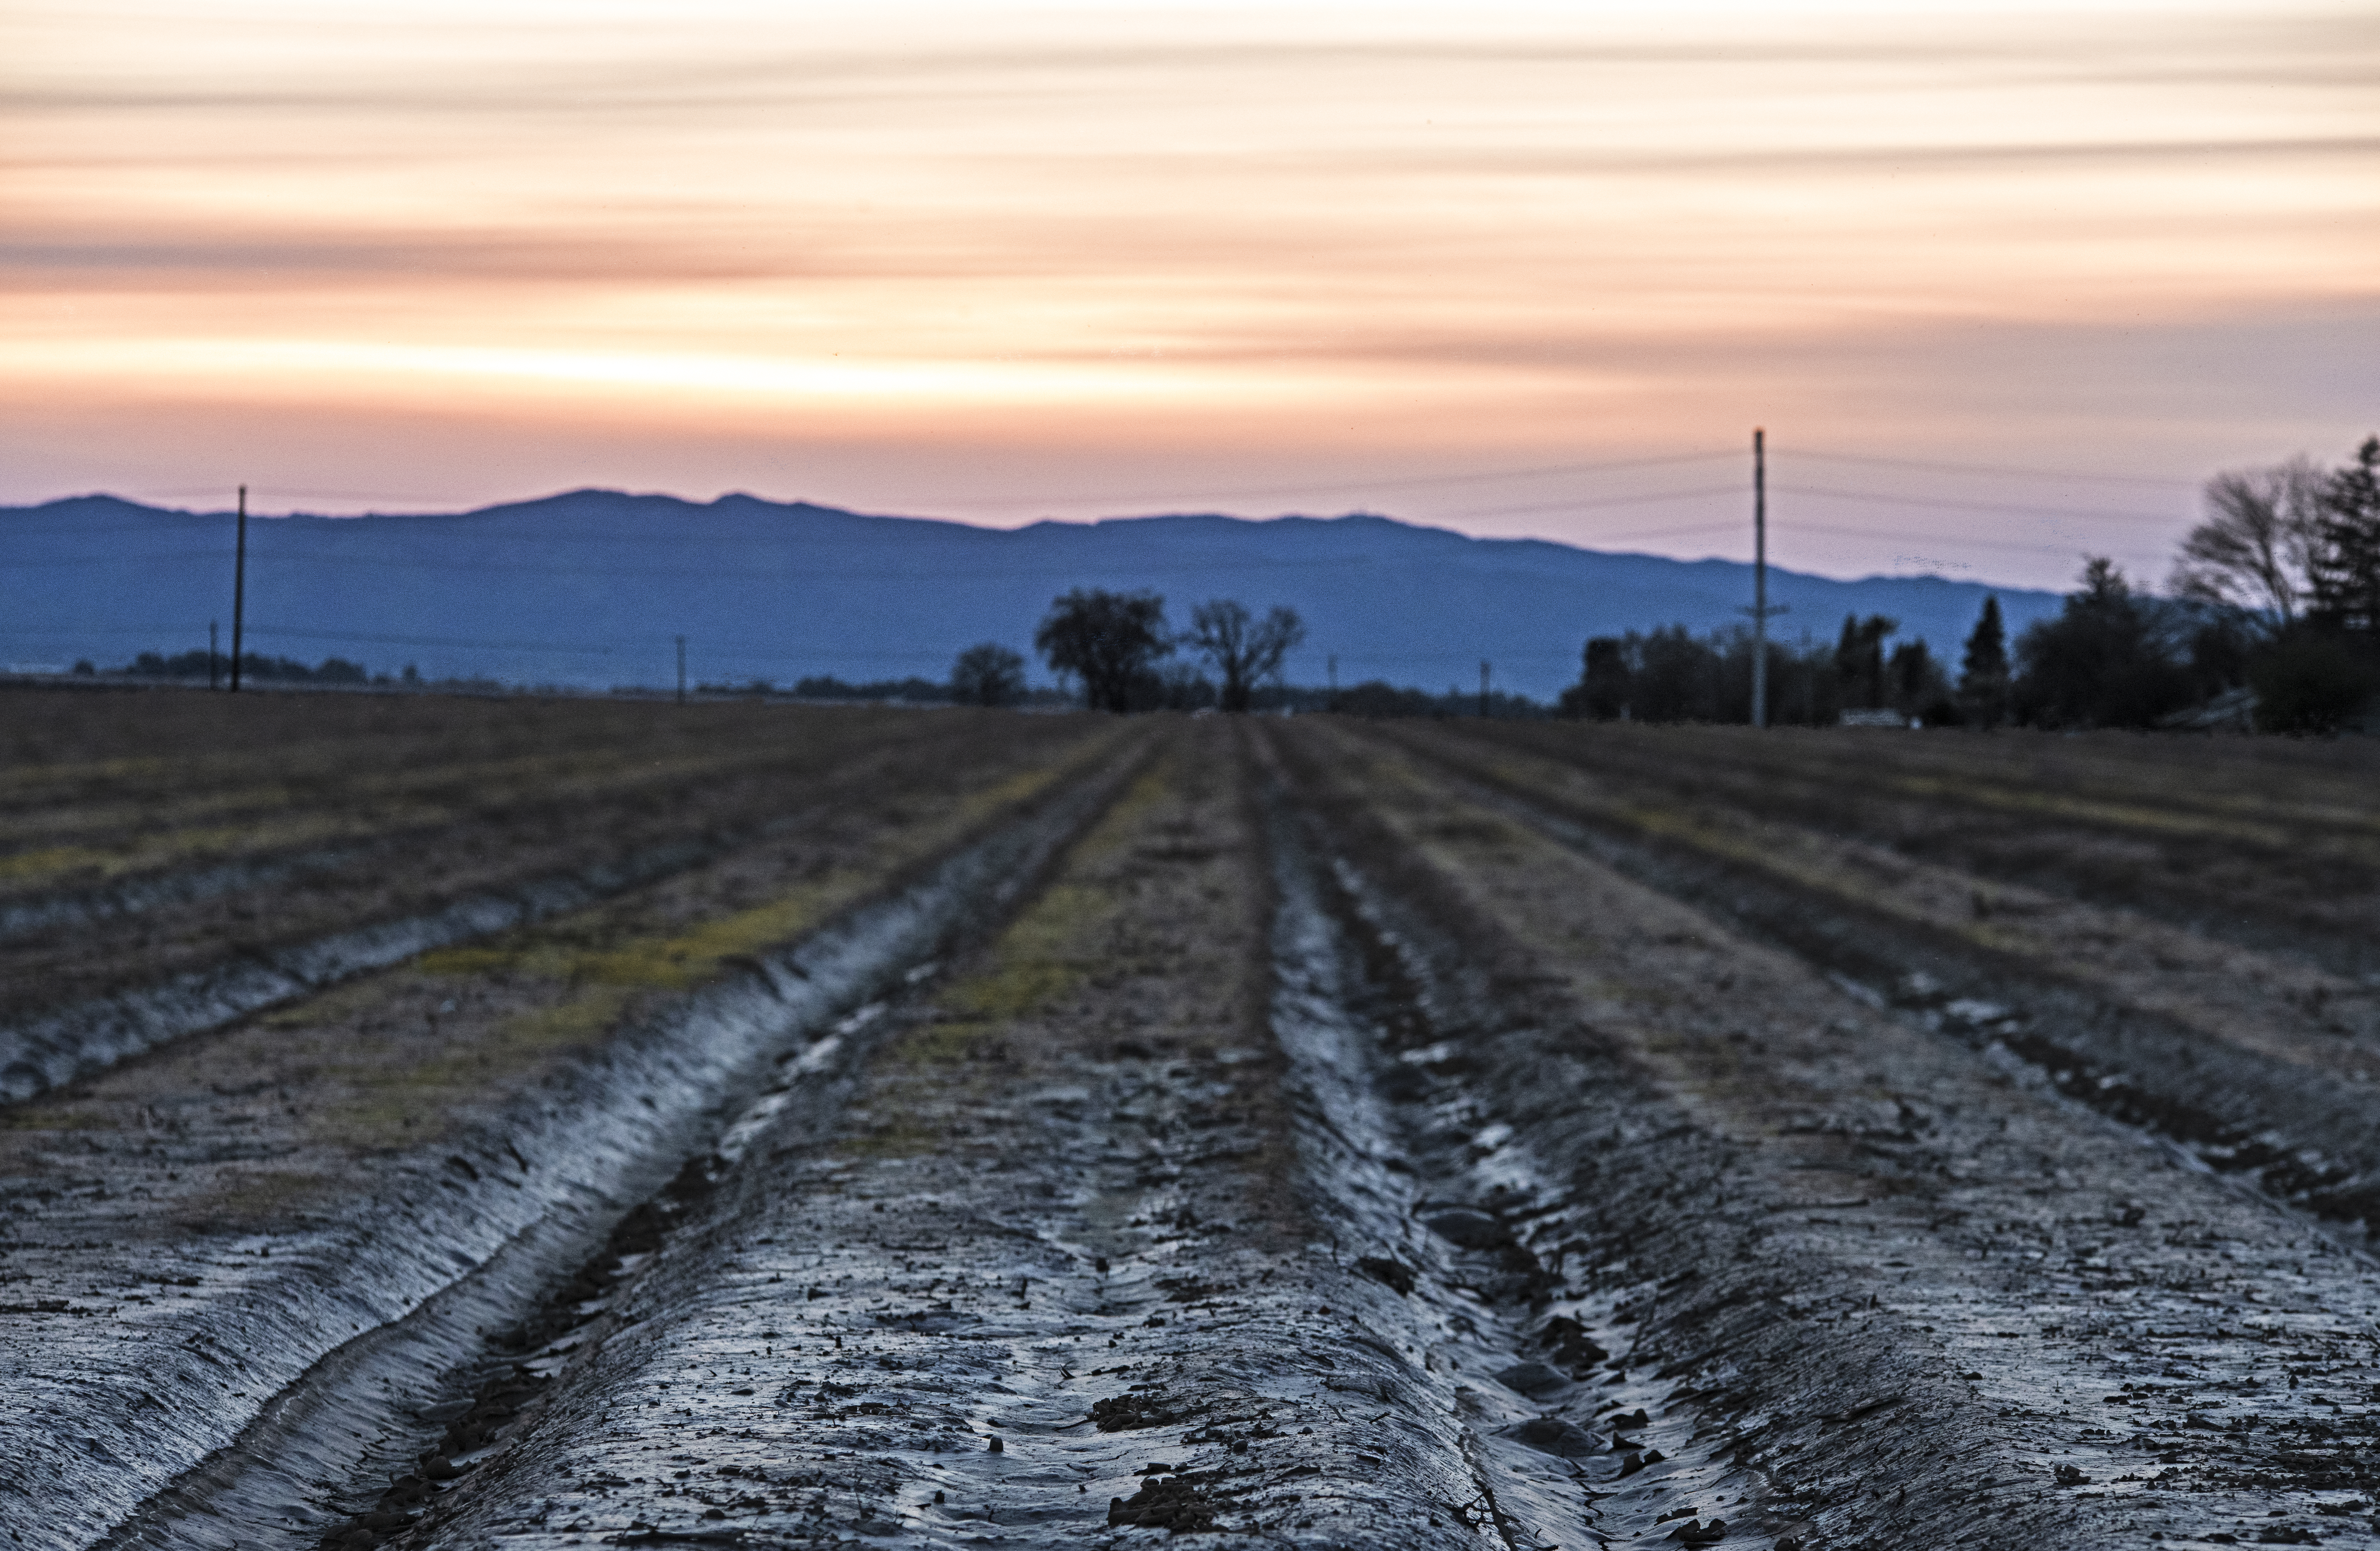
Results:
x,y
253,665
2312,682
989,674
910,689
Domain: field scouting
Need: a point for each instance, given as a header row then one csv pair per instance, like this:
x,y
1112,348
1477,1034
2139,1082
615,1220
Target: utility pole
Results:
x,y
1483,689
1760,611
238,589
211,654
1334,680
681,670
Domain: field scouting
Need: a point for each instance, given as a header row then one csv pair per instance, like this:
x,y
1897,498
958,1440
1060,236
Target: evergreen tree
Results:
x,y
1859,660
1983,672
1919,687
2106,661
2346,562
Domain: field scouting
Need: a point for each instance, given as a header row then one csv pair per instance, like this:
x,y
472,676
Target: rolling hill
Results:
x,y
588,588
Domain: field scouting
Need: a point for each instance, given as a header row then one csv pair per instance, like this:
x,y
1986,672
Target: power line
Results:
x,y
1178,568
1992,469
279,633
1665,532
1354,482
1405,483
1961,543
281,490
1595,503
1976,505
825,572
216,553
1581,504
772,652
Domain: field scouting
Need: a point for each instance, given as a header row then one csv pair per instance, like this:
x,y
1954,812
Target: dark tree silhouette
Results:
x,y
1602,692
2102,662
1918,687
1983,672
1244,649
987,674
1859,660
2256,551
1109,638
2346,561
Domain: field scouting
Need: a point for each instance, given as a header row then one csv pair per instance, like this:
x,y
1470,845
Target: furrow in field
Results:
x,y
59,837
1867,1286
2290,866
395,837
545,811
324,1201
2264,793
2260,1063
247,964
1079,1263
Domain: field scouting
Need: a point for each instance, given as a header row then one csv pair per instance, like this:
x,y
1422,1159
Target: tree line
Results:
x,y
2276,593
253,664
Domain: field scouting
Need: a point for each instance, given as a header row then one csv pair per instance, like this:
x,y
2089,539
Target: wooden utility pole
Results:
x,y
1334,682
238,589
211,654
1760,611
1483,689
681,670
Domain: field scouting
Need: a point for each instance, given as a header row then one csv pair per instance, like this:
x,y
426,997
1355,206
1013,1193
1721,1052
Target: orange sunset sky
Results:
x,y
1477,265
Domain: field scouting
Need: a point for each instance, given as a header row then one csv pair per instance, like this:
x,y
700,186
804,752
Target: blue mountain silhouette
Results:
x,y
588,588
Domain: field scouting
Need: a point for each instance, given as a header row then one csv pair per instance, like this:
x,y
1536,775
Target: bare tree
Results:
x,y
1245,650
2253,551
988,675
1109,638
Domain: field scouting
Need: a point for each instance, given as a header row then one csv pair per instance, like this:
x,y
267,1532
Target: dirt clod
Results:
x,y
1177,1504
1125,1413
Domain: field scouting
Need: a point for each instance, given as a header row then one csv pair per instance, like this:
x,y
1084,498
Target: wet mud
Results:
x,y
1113,1239
1327,1136
2261,1066
160,1309
1902,1293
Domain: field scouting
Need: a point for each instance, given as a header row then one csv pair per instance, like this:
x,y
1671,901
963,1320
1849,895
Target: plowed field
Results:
x,y
476,1123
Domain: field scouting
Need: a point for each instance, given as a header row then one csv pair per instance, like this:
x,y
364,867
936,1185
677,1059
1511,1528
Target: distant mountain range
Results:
x,y
589,588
